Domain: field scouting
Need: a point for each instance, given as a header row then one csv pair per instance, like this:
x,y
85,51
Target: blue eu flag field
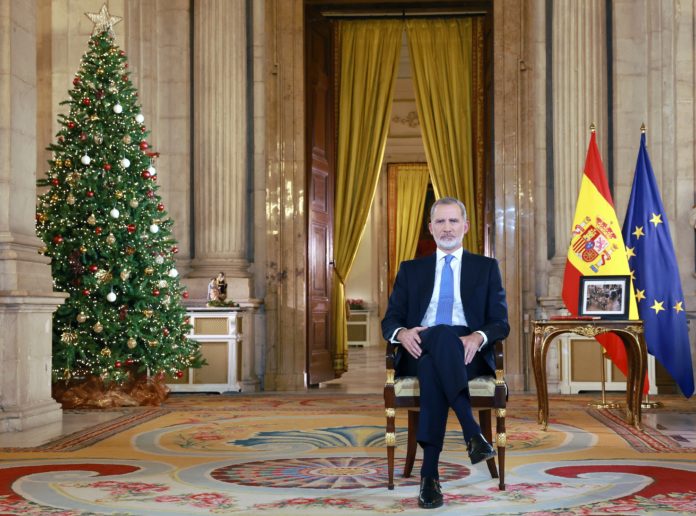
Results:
x,y
656,275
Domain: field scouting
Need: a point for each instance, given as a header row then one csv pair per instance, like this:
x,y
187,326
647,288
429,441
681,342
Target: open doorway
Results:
x,y
368,282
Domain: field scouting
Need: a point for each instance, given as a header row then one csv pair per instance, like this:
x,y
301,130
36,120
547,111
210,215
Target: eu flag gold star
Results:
x,y
640,295
657,306
678,307
656,218
629,252
638,232
103,21
633,275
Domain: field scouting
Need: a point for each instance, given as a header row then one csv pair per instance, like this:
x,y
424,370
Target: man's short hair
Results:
x,y
448,200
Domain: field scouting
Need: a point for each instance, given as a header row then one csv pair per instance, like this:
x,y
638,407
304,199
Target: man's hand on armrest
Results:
x,y
410,339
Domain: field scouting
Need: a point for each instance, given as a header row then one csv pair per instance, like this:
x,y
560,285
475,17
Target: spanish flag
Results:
x,y
597,247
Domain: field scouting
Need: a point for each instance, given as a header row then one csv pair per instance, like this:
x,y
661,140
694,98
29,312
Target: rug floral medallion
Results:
x,y
316,456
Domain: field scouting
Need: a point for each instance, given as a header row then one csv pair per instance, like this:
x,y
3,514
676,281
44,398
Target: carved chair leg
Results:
x,y
411,443
487,431
390,466
502,444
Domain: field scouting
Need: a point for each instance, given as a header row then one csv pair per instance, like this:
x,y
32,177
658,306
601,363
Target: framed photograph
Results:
x,y
606,297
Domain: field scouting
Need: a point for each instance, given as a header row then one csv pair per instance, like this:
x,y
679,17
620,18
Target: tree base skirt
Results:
x,y
91,392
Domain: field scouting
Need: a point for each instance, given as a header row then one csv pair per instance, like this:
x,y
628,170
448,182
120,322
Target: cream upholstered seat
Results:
x,y
487,393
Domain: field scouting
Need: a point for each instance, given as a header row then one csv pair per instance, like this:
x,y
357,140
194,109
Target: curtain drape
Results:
x,y
369,53
441,57
411,188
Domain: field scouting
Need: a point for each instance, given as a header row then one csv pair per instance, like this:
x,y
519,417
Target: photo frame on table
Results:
x,y
606,297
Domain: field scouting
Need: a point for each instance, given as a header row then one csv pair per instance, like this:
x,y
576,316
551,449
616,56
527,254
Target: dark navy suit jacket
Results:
x,y
483,300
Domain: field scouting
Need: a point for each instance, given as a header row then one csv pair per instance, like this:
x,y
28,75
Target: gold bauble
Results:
x,y
134,203
43,250
97,327
59,163
103,276
100,71
149,271
81,317
68,337
98,139
130,250
55,198
125,274
132,343
152,343
127,139
92,220
118,194
68,163
41,217
94,118
106,352
110,239
148,313
70,199
83,249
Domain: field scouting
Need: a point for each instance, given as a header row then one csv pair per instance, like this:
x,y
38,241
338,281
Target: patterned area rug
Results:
x,y
311,454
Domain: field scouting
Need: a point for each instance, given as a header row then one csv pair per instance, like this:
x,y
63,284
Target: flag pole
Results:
x,y
603,404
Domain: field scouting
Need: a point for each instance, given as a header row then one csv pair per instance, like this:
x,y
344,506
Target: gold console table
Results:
x,y
630,333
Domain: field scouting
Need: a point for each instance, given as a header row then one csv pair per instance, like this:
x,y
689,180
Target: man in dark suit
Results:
x,y
444,313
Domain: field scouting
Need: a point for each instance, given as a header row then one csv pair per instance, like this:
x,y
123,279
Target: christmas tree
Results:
x,y
108,233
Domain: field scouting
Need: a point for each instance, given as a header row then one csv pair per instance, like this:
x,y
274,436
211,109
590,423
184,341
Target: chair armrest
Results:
x,y
389,357
498,353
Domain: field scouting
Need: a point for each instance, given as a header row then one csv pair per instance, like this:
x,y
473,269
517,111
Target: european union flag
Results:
x,y
656,275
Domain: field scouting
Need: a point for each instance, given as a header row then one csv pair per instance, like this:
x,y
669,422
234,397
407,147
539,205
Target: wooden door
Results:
x,y
320,144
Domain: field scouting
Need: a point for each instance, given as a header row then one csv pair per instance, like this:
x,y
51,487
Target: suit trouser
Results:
x,y
443,376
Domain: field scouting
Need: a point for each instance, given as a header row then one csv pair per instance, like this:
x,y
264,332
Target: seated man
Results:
x,y
444,333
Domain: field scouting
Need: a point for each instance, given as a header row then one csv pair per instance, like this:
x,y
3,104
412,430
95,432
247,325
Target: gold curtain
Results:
x,y
369,53
411,189
441,57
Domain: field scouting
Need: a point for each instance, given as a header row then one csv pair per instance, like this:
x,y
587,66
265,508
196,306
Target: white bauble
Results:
x,y
118,108
125,163
154,228
133,203
152,170
111,297
173,273
139,118
115,213
85,160
159,259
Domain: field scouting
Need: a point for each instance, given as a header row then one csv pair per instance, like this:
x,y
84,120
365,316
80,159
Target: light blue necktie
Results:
x,y
445,302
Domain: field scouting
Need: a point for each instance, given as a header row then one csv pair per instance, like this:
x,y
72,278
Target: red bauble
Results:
x,y
155,292
160,207
76,81
185,295
55,181
61,139
83,137
165,332
143,145
122,312
130,228
143,129
106,167
150,193
175,249
98,230
179,374
129,361
122,53
125,65
145,174
117,364
86,102
93,268
90,193
85,292
124,77
57,239
71,125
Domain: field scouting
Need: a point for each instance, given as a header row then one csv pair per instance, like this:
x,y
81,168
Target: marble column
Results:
x,y
27,300
220,146
579,99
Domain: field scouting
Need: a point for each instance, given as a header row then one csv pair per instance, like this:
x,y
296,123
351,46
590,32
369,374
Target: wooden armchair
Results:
x,y
487,393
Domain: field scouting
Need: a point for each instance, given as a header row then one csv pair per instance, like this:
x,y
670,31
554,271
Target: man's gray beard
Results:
x,y
447,244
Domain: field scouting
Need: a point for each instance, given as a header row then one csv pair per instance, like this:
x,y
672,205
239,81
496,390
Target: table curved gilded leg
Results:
x,y
630,333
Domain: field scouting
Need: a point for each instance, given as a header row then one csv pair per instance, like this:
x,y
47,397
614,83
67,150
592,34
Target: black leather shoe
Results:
x,y
479,449
430,496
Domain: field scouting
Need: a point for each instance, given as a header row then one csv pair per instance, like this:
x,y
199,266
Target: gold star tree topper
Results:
x,y
103,21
